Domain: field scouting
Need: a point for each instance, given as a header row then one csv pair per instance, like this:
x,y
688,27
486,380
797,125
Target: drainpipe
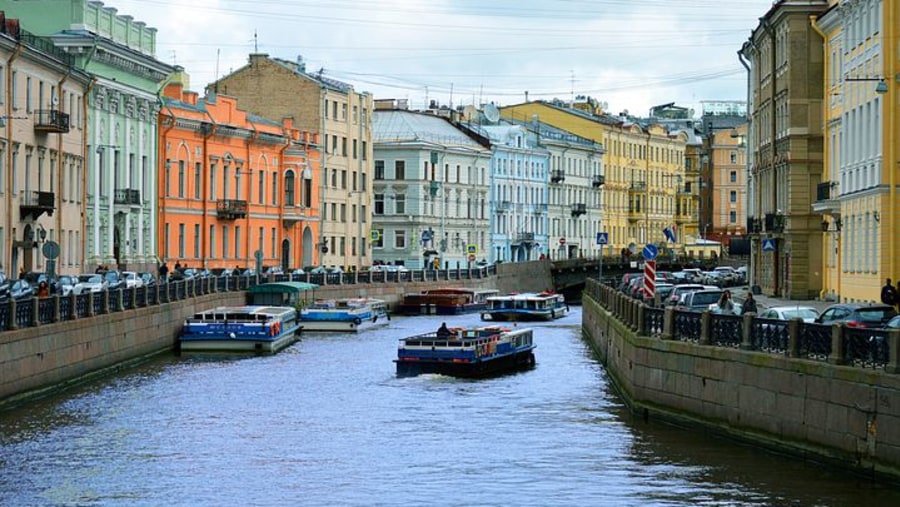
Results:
x,y
9,158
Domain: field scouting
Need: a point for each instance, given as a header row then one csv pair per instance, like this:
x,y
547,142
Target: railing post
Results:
x,y
793,344
73,310
638,323
120,294
705,327
13,323
105,299
90,308
35,316
668,323
837,345
893,340
56,299
747,331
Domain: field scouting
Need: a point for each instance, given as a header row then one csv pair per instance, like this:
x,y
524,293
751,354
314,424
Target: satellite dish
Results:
x,y
491,113
54,100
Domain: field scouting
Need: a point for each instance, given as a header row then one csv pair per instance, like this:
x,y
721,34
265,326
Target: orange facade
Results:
x,y
234,186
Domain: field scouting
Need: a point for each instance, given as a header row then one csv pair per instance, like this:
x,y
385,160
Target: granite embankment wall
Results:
x,y
844,415
35,360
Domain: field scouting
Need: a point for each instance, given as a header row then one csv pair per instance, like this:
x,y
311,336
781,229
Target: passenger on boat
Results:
x,y
442,331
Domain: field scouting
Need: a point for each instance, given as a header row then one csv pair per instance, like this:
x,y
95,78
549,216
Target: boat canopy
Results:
x,y
279,293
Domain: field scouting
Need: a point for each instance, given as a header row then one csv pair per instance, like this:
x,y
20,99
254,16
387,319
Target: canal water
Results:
x,y
326,422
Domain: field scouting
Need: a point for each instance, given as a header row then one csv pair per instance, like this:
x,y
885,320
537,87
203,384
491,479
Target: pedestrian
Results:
x,y
889,293
726,305
897,299
749,305
443,331
99,269
177,265
43,289
164,272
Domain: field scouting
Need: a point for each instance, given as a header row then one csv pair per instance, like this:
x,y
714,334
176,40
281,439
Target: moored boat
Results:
x,y
259,329
466,352
445,301
344,314
526,306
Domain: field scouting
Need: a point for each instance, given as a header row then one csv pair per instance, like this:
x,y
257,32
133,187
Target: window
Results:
x,y
28,94
400,239
261,185
734,157
343,246
379,171
334,110
344,146
14,89
400,170
400,204
343,111
334,143
344,179
225,248
181,178
364,150
212,241
379,204
732,196
732,217
212,181
198,169
732,177
334,178
196,241
355,156
343,212
181,241
237,241
289,188
274,188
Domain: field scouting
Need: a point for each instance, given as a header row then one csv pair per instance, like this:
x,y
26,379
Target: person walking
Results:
x,y
726,305
889,293
163,272
749,305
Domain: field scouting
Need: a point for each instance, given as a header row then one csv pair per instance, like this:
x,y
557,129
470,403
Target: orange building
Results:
x,y
234,186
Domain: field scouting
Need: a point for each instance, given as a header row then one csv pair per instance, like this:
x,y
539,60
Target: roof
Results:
x,y
282,288
328,82
397,126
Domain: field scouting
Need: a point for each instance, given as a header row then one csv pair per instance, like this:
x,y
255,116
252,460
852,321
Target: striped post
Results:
x,y
649,279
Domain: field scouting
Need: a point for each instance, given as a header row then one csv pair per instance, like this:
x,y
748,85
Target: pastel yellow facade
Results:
x,y
857,197
646,189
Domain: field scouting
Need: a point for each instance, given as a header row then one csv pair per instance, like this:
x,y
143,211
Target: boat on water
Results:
x,y
445,301
526,306
466,352
251,328
344,314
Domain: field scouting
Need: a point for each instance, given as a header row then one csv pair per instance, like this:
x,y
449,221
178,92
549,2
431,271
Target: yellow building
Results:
x,y
644,169
857,197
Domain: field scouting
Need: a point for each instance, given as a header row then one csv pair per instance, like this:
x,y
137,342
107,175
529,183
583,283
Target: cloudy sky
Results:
x,y
631,54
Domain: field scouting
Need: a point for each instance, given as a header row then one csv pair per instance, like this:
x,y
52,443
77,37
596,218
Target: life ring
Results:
x,y
357,321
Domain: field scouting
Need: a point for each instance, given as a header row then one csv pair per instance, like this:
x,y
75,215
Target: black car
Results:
x,y
857,315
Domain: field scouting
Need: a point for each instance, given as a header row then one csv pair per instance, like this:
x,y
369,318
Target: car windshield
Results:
x,y
89,278
705,298
66,280
800,313
112,276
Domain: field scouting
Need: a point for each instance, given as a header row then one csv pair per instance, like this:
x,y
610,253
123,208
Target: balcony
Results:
x,y
292,214
579,209
557,176
754,225
684,190
683,215
51,120
774,222
525,238
504,206
827,198
638,187
635,214
598,181
230,209
34,204
540,209
127,197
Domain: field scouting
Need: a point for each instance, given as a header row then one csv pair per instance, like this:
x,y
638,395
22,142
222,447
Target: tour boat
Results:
x,y
466,352
526,306
344,314
445,301
260,329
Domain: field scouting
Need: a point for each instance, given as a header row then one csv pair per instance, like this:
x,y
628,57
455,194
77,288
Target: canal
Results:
x,y
326,422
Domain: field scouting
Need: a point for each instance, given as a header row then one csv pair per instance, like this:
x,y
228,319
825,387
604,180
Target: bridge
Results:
x,y
569,275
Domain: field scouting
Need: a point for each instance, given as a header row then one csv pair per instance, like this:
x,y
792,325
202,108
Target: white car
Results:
x,y
132,279
805,313
89,282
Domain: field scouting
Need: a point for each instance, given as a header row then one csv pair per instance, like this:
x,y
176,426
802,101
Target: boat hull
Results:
x,y
218,343
435,309
345,326
514,361
524,315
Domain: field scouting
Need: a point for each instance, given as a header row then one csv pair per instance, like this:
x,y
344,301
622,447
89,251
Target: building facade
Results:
x,y
856,198
728,188
785,60
121,112
236,189
42,155
275,88
431,191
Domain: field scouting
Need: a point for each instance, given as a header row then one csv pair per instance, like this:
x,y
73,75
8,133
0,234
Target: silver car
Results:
x,y
90,282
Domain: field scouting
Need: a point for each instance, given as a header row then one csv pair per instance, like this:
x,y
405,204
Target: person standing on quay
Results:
x,y
888,293
749,305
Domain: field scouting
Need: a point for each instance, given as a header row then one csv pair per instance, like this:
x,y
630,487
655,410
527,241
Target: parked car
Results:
x,y
894,323
148,278
681,290
805,313
66,284
114,280
90,282
16,289
700,299
857,315
387,268
273,270
132,280
626,281
738,309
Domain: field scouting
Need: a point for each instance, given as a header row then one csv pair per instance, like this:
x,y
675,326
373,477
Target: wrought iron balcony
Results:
x,y
557,176
51,120
292,214
34,204
638,187
525,237
579,209
230,209
754,225
774,222
824,191
598,181
127,197
684,190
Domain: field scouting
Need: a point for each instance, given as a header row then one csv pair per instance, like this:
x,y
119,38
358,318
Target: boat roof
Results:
x,y
249,310
526,295
282,288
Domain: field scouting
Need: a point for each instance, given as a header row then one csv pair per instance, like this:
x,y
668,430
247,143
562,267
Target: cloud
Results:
x,y
630,54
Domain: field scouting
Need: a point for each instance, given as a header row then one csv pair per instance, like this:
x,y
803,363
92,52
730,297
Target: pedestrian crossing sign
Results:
x,y
768,244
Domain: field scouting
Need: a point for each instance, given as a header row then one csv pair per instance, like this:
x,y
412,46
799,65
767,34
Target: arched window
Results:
x,y
289,188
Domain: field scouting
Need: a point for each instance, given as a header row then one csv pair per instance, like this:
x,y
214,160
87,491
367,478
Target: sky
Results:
x,y
629,54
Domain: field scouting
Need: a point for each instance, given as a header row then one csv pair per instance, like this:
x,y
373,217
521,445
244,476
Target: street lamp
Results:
x,y
881,88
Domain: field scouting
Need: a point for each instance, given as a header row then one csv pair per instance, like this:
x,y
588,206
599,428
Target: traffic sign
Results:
x,y
375,234
472,258
768,244
562,241
50,250
472,249
602,238
650,251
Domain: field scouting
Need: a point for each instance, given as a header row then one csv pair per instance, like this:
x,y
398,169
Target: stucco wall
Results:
x,y
846,415
534,276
